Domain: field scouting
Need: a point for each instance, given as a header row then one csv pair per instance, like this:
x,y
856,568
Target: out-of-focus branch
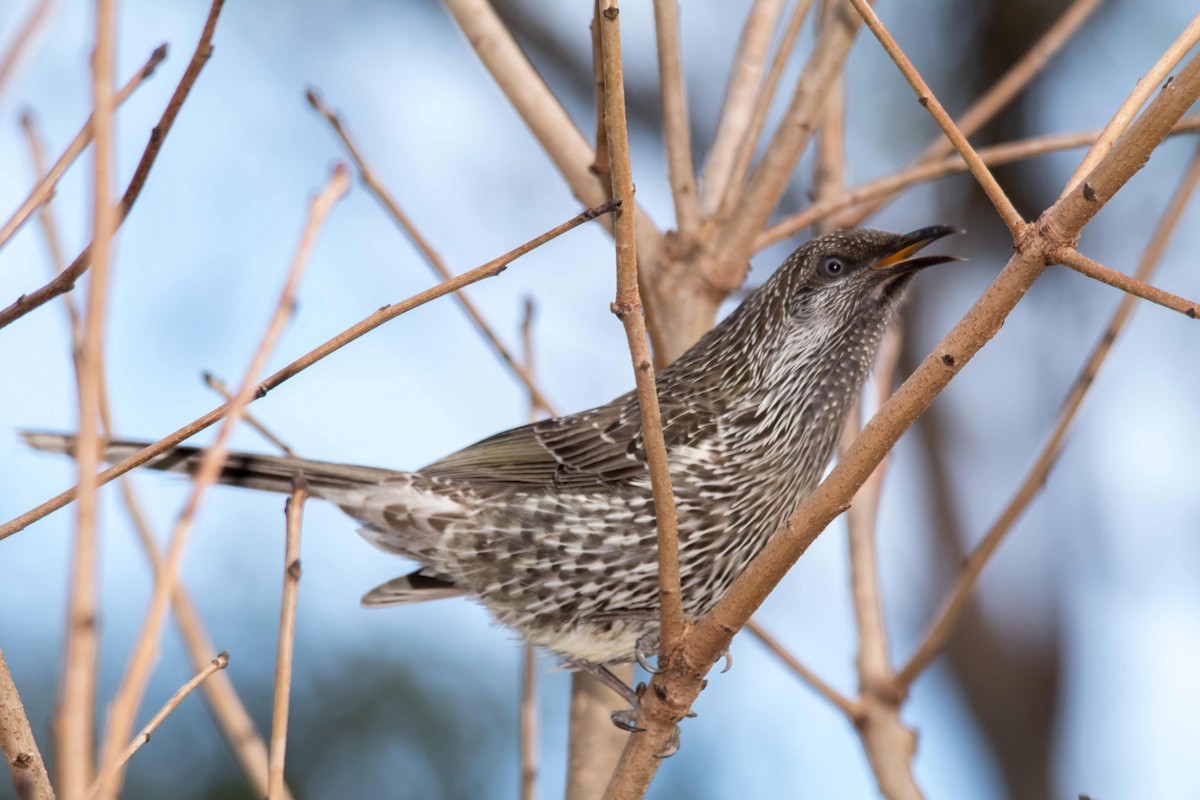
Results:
x,y
528,749
385,314
22,40
218,386
20,749
1142,92
676,131
1004,207
951,165
628,308
124,706
67,278
47,181
938,632
997,97
741,95
75,723
1086,266
847,706
143,736
294,511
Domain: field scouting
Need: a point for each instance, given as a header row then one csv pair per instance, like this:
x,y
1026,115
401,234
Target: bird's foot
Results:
x,y
646,648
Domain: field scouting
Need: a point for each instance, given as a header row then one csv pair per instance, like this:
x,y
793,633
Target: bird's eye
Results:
x,y
832,267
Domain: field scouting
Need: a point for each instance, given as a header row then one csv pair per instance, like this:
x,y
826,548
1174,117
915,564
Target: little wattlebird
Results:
x,y
551,526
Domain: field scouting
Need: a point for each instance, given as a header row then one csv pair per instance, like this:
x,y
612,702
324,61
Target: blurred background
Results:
x,y
1075,669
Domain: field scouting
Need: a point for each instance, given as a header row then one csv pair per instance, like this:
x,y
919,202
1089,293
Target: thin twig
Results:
x,y
124,705
67,278
997,97
77,711
996,155
371,180
1004,206
762,106
218,385
676,131
741,95
143,736
229,712
47,181
1145,88
528,734
22,40
385,314
601,163
18,745
628,308
294,511
841,702
1086,266
938,632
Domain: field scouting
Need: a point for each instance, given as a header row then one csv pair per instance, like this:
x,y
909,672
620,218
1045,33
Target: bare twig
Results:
x,y
294,510
925,96
143,736
932,170
841,702
1086,266
762,106
741,95
47,181
938,632
226,707
218,385
997,97
18,745
128,698
22,40
601,163
528,749
628,308
680,169
371,180
77,709
1142,92
67,278
488,270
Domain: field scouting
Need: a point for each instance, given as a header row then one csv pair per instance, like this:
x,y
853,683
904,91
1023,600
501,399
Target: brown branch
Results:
x,y
1086,266
294,511
997,97
18,745
762,106
22,40
952,165
676,133
375,186
1145,87
735,239
143,736
385,314
218,386
938,632
844,704
67,278
741,95
75,732
1004,206
628,308
226,707
673,691
48,181
124,705
601,163
528,712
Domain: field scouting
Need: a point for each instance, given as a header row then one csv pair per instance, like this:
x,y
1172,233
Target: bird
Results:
x,y
551,526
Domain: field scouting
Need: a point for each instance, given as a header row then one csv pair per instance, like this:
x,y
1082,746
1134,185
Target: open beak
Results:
x,y
901,259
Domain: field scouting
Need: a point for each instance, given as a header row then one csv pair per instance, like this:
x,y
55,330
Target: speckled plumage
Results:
x,y
551,525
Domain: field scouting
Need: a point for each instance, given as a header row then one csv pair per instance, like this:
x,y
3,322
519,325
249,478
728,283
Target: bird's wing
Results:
x,y
582,450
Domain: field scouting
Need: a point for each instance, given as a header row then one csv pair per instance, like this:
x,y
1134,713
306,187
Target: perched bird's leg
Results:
x,y
605,676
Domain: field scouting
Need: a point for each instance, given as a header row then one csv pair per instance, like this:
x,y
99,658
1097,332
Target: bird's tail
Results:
x,y
269,473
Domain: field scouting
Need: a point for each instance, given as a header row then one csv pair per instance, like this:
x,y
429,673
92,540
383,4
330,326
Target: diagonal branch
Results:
x,y
1086,266
938,632
22,40
18,745
847,706
67,278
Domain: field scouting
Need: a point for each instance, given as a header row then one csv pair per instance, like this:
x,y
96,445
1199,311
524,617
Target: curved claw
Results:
x,y
647,646
645,664
672,746
626,720
728,662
